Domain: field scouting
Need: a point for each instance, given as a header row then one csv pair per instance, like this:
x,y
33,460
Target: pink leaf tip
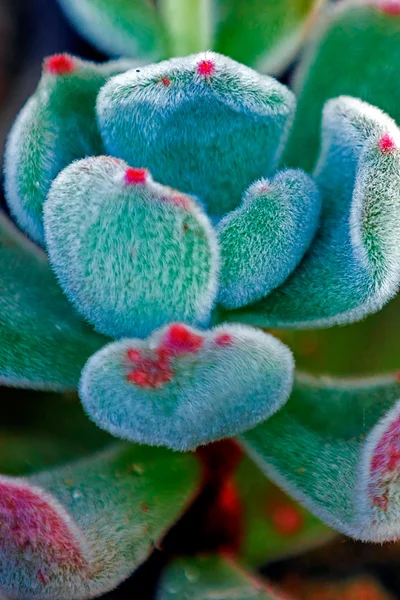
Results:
x,y
178,339
386,144
59,64
206,68
30,525
390,7
136,176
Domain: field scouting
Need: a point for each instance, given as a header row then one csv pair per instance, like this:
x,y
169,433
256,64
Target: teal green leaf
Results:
x,y
56,126
352,268
203,124
43,342
119,27
182,387
212,577
265,238
274,525
335,447
263,33
355,51
130,254
85,527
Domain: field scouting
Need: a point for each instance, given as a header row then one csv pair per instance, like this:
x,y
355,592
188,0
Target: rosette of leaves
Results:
x,y
157,234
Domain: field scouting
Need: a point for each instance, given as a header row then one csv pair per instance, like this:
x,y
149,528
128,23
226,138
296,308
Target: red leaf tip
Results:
x,y
59,64
136,176
205,68
31,525
390,7
179,339
386,144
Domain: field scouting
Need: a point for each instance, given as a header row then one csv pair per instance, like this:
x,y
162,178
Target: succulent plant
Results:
x,y
164,230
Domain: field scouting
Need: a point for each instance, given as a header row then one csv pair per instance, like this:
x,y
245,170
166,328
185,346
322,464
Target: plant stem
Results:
x,y
189,23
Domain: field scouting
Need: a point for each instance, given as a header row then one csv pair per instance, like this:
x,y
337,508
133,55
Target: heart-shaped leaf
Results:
x,y
335,447
78,531
43,342
131,255
264,239
55,127
204,124
183,388
353,266
209,577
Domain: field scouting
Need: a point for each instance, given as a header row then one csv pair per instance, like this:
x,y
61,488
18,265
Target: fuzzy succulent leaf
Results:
x,y
120,27
353,266
355,52
274,525
78,531
263,33
264,239
207,577
183,388
335,447
56,126
43,341
204,124
131,255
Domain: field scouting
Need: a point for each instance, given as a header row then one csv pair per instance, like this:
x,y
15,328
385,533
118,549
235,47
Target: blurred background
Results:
x,y
33,29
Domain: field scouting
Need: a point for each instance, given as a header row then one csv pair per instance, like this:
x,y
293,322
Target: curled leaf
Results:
x,y
264,239
335,447
353,265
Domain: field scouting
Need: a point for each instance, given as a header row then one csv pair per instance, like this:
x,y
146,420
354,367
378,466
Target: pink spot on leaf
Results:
x,y
386,144
59,64
30,525
156,371
206,68
179,339
166,81
136,176
133,354
150,373
224,339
